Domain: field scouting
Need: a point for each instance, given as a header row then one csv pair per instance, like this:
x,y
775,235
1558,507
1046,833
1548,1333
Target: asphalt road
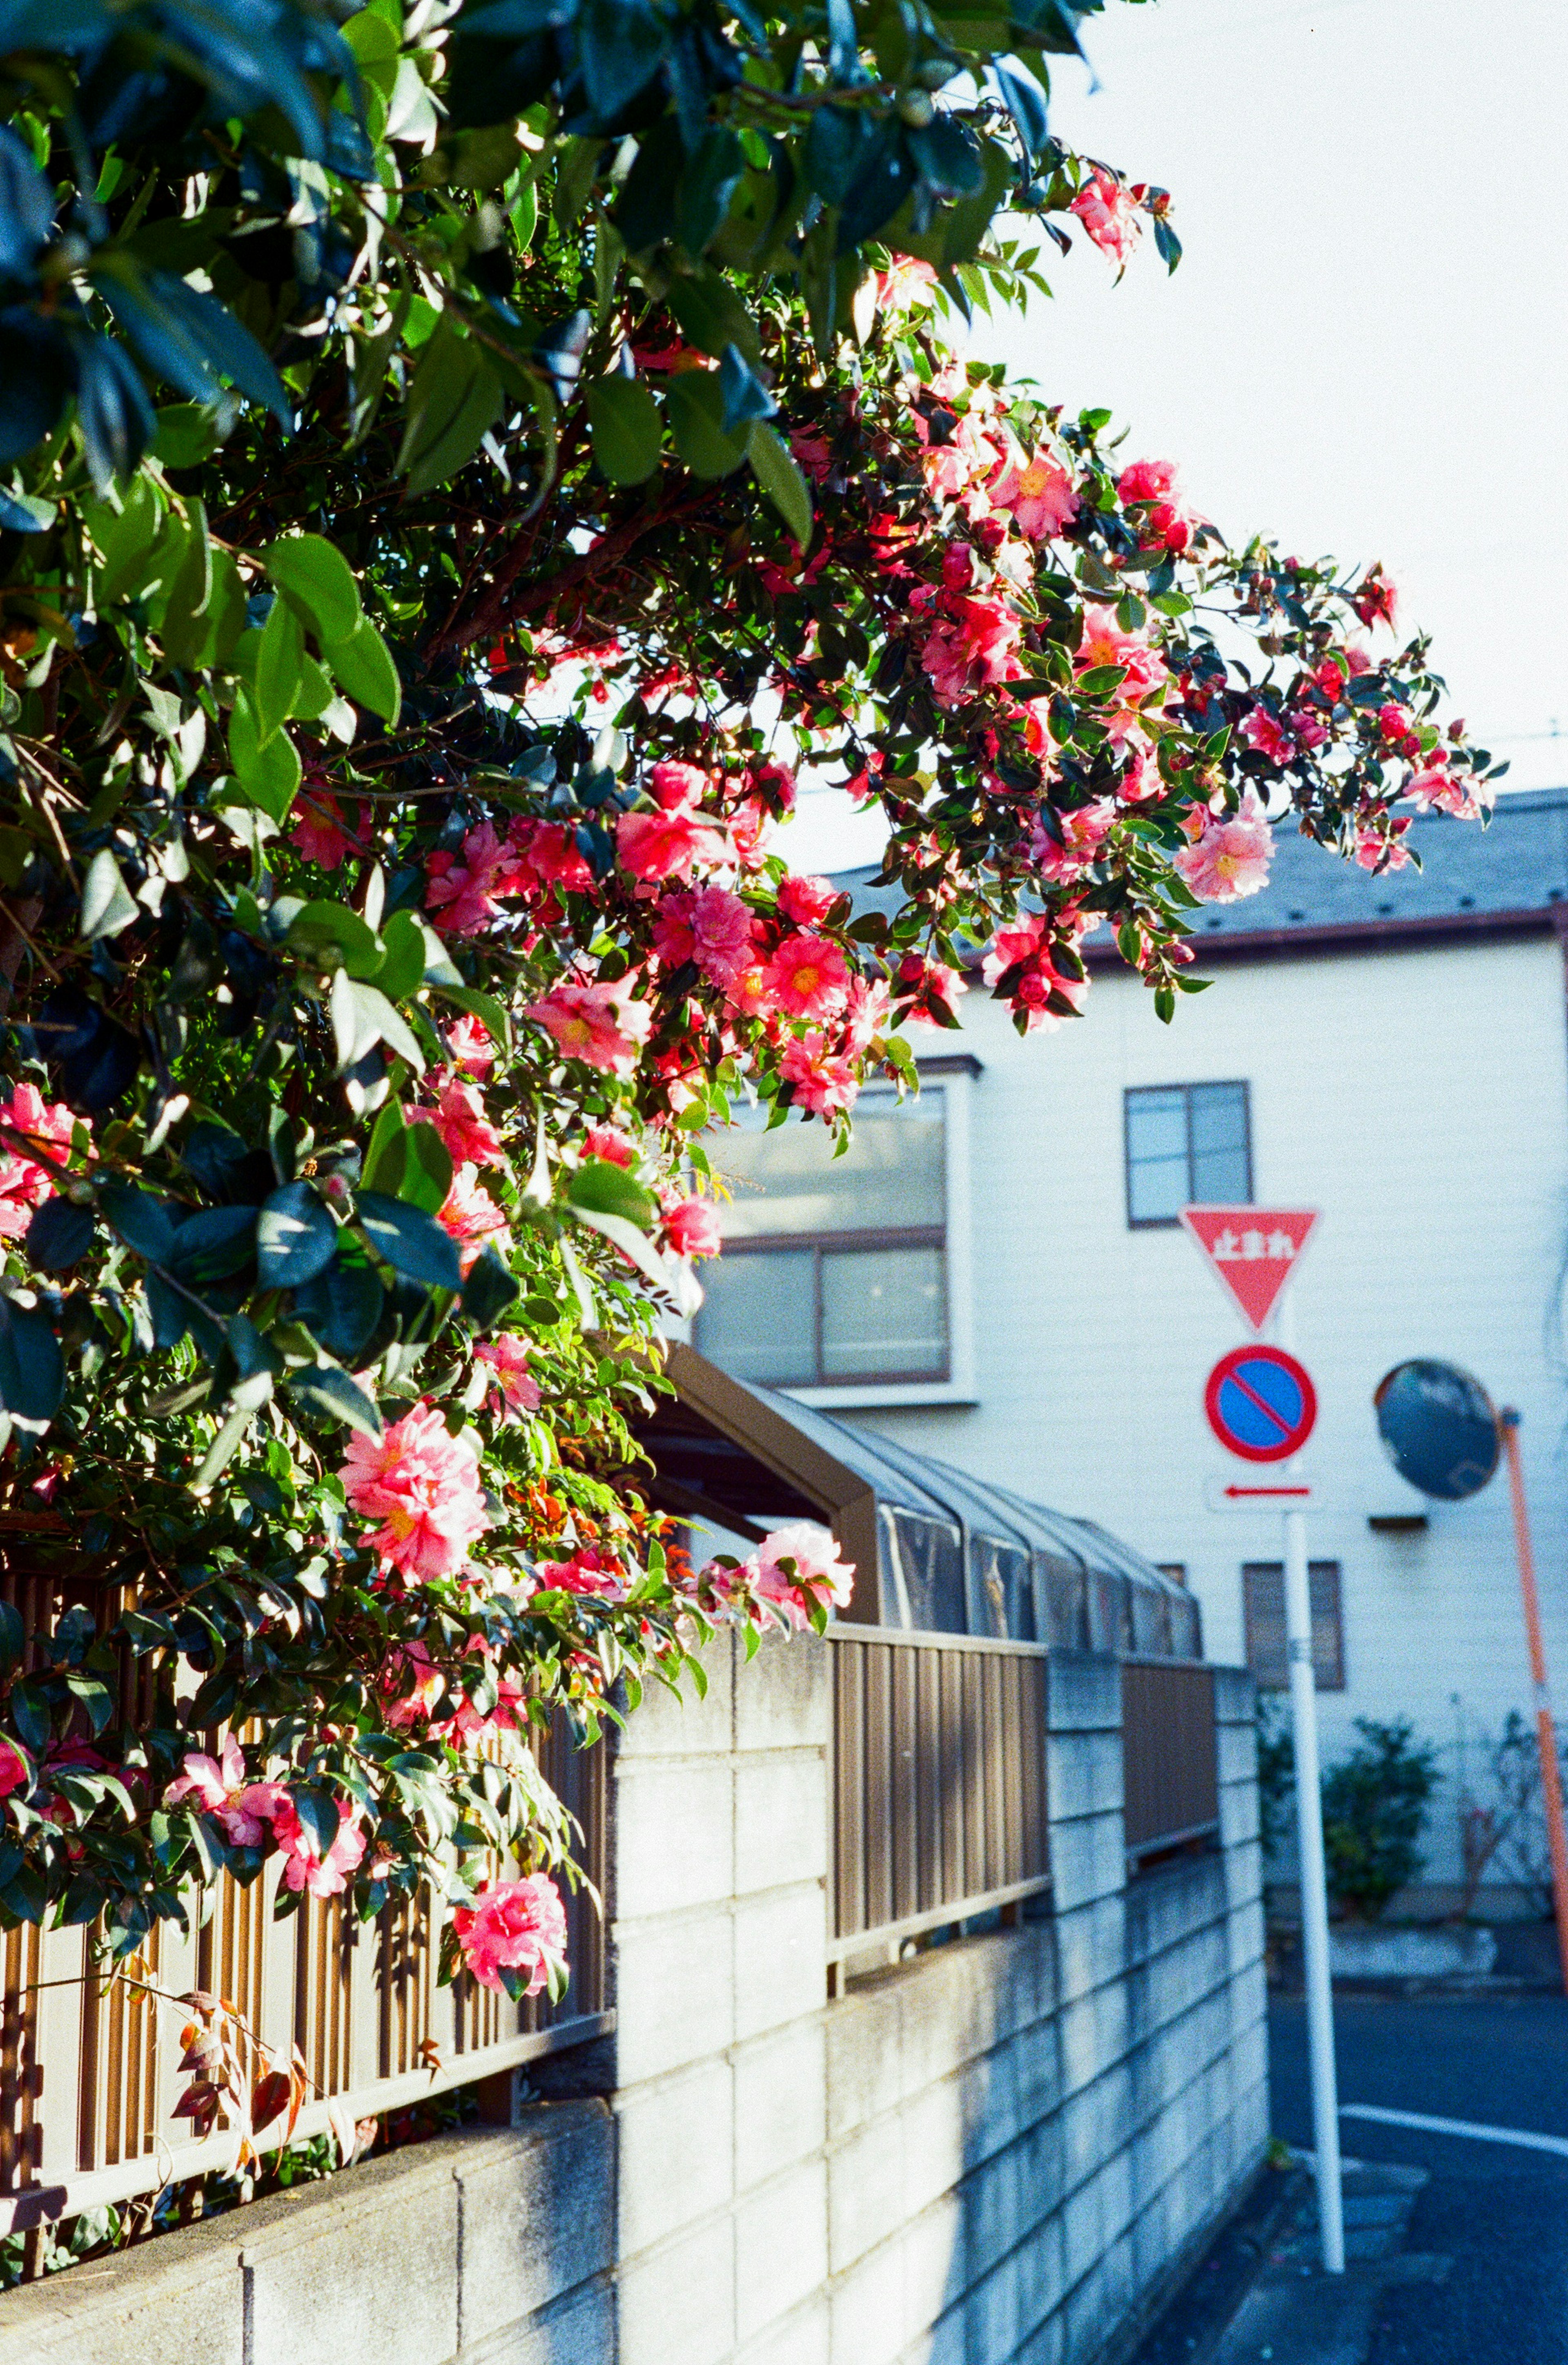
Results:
x,y
1500,2214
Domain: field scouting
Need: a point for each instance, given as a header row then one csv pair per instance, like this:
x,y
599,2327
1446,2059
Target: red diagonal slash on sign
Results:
x,y
1253,1251
1235,1381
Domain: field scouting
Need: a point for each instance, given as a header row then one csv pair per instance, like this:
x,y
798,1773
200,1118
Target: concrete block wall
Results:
x,y
491,2247
1000,2151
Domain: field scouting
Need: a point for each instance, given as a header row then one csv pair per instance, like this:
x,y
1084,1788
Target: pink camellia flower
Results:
x,y
708,926
597,1576
609,1142
1231,858
1263,732
515,1925
808,976
823,1081
25,1182
865,1014
1083,832
1434,788
323,835
603,1024
469,1043
472,1725
906,282
691,1228
405,1705
1305,727
1037,494
462,887
467,1133
1105,644
1378,853
798,1568
1026,947
548,851
304,1867
936,988
973,645
1110,215
423,1484
516,1388
14,1775
813,454
672,783
469,1215
1377,602
670,844
1157,484
223,1786
807,901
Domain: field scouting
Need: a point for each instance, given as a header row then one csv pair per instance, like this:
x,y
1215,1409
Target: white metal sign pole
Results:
x,y
1313,1883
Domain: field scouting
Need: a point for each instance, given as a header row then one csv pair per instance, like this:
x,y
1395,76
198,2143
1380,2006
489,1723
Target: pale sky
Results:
x,y
1365,348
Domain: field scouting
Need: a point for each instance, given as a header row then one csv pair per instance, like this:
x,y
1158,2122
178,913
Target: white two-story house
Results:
x,y
996,1274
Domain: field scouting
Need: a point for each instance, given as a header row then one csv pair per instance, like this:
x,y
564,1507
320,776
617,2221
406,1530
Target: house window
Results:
x,y
1187,1145
1263,1601
834,1270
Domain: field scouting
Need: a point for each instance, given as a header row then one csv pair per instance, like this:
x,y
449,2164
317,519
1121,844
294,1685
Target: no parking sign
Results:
x,y
1261,1402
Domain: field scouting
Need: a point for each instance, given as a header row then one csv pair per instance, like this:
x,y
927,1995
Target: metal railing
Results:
x,y
88,2065
938,1789
1169,1765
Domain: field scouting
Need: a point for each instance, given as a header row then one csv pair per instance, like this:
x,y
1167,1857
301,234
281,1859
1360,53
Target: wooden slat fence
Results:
x,y
937,1795
87,2066
1169,1768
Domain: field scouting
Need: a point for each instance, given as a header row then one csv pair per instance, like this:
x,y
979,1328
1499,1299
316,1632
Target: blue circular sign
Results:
x,y
1261,1402
1437,1429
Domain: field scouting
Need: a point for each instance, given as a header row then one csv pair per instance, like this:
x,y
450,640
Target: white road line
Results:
x,y
1558,2144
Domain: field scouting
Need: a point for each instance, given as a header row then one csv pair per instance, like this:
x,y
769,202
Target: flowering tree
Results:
x,y
461,462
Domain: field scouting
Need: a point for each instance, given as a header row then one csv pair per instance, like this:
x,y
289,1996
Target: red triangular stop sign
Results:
x,y
1253,1249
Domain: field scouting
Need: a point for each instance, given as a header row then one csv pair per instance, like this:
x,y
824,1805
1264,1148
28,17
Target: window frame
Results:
x,y
1328,1674
1132,1093
955,1383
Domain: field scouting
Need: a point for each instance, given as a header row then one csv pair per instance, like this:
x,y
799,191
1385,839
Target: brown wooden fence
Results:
x,y
1169,1771
938,1792
87,2066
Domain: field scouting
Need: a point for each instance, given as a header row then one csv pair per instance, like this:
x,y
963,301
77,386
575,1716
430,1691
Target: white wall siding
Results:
x,y
1419,1098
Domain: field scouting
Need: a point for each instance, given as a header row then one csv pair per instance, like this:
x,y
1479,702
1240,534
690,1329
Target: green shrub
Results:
x,y
1375,1803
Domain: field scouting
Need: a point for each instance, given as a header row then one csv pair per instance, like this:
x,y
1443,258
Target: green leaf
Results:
x,y
666,1273
411,1241
772,465
295,1237
267,769
626,428
455,398
280,668
363,669
622,45
341,1307
362,1017
329,1392
497,1020
32,1372
491,1287
140,1219
330,936
106,903
212,1245
694,404
427,1169
316,575
402,969
599,1183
